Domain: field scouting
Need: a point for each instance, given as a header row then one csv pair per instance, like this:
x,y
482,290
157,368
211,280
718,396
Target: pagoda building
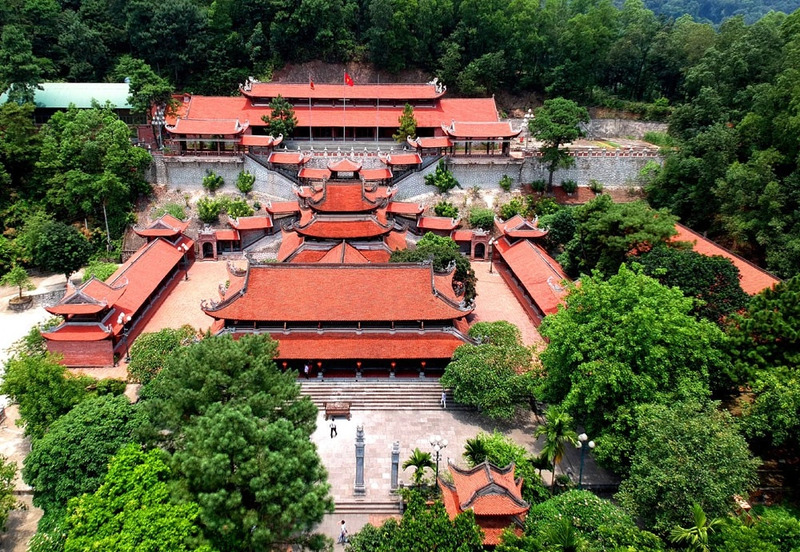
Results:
x,y
337,113
492,493
100,319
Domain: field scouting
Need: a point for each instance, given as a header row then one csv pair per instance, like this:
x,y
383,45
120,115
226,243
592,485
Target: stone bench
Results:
x,y
333,409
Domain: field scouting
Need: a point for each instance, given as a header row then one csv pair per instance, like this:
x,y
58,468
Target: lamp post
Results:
x,y
527,118
582,444
438,444
123,319
184,248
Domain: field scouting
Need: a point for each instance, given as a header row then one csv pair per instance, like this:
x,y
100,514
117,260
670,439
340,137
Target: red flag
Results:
x,y
348,80
311,83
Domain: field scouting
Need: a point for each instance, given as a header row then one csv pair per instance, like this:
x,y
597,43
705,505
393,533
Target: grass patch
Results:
x,y
660,139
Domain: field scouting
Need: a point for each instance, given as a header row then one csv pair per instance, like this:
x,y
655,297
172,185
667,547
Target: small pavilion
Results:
x,y
492,493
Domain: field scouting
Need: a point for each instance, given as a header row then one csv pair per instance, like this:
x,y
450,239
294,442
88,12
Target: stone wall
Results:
x,y
614,169
621,128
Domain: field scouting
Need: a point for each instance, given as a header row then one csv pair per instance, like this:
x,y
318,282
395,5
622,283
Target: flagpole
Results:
x,y
378,112
344,108
310,125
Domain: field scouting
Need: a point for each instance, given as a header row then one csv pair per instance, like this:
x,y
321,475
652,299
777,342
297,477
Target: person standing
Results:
x,y
342,533
334,433
444,399
306,370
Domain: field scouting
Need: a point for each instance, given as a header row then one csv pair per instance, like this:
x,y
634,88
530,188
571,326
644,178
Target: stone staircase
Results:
x,y
388,505
380,394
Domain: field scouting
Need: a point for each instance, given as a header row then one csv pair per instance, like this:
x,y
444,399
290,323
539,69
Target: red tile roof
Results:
x,y
305,255
404,208
367,292
339,228
290,242
251,223
90,298
207,126
539,274
288,158
753,278
491,492
165,227
282,207
396,240
403,159
227,234
344,165
343,253
376,174
257,140
303,90
78,332
447,110
487,130
334,345
437,223
431,142
376,255
519,228
314,174
462,235
342,198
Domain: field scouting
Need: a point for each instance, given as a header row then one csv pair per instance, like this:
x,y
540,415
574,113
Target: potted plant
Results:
x,y
569,186
18,277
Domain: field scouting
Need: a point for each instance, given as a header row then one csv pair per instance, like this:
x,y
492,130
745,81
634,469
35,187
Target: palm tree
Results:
x,y
695,536
563,537
557,431
475,451
541,462
419,460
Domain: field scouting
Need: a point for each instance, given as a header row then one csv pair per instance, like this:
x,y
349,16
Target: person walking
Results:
x,y
334,433
342,533
444,399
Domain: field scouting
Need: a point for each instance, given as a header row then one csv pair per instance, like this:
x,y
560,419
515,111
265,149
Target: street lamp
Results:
x,y
527,117
123,319
438,444
582,444
184,248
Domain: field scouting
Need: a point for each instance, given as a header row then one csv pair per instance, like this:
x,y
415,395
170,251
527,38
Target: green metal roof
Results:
x,y
59,95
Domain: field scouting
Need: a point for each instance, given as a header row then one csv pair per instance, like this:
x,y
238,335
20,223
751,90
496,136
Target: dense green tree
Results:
x,y
442,251
150,351
685,455
481,218
772,529
17,277
147,89
43,389
442,178
134,509
421,529
20,71
19,150
8,500
712,281
72,458
221,370
90,168
602,524
282,121
608,233
60,248
621,343
555,124
496,374
408,125
259,482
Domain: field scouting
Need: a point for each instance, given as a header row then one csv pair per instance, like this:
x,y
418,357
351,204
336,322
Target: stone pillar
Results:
x,y
359,489
395,464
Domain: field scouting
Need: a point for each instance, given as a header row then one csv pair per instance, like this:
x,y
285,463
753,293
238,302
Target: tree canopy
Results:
x,y
555,124
282,120
621,343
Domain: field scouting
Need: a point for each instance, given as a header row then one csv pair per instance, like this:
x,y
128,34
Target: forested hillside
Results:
x,y
716,11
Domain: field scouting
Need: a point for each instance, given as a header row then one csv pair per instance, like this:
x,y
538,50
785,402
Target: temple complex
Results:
x,y
339,113
492,493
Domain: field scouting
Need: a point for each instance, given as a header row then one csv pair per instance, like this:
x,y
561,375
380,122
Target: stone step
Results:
x,y
368,507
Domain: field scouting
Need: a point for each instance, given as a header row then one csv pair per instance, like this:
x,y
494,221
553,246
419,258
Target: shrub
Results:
x,y
208,210
238,208
596,186
174,209
569,186
481,218
100,270
513,207
541,206
245,181
660,139
212,181
505,183
445,209
442,179
256,205
539,185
